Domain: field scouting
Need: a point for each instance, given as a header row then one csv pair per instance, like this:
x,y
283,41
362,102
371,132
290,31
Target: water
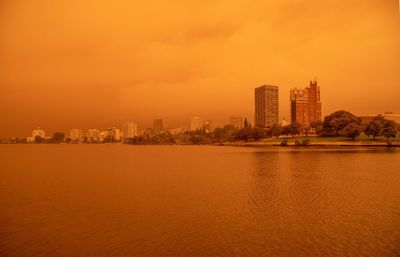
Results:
x,y
119,200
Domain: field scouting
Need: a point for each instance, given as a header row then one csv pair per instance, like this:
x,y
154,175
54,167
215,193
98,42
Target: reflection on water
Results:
x,y
116,200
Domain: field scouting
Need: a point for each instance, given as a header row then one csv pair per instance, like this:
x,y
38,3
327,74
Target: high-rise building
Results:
x,y
266,106
236,121
305,104
158,126
196,123
129,130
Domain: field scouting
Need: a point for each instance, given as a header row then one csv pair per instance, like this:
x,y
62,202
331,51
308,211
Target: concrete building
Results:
x,y
196,123
93,135
387,115
76,134
305,104
236,121
158,126
129,130
266,106
110,135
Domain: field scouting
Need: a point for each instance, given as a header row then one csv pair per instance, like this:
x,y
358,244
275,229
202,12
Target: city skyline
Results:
x,y
304,102
64,67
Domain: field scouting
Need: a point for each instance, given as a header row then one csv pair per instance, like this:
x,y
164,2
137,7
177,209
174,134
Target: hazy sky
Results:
x,y
96,63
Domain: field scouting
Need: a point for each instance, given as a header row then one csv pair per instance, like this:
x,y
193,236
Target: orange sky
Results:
x,y
96,63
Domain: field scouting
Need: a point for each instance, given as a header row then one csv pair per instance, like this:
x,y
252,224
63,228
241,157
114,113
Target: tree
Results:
x,y
58,137
245,134
335,123
39,139
388,129
291,129
245,123
317,127
306,130
227,133
258,133
275,130
374,127
352,130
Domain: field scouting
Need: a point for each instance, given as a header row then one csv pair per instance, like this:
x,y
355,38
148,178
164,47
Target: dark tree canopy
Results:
x,y
374,127
38,139
335,124
388,129
291,129
317,127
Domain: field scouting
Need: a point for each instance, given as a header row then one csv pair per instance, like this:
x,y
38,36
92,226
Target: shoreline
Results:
x,y
312,144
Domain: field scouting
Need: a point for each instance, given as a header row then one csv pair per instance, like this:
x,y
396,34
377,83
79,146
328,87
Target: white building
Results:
x,y
129,130
196,123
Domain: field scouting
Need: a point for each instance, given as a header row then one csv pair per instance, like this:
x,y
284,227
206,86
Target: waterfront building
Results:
x,y
115,133
158,126
305,104
110,135
196,123
236,121
93,135
76,134
128,130
266,106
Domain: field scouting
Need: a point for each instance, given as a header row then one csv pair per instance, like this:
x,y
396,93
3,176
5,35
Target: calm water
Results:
x,y
117,200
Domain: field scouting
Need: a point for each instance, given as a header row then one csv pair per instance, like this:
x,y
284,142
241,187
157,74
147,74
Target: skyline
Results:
x,y
266,100
158,123
93,64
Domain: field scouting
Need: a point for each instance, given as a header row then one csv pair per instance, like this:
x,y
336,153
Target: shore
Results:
x,y
314,141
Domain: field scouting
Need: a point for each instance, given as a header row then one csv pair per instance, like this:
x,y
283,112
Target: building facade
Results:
x,y
76,134
387,115
93,135
129,130
305,104
158,126
266,106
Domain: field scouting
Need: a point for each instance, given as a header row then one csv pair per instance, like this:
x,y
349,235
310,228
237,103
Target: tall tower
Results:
x,y
305,104
314,102
158,126
299,105
266,106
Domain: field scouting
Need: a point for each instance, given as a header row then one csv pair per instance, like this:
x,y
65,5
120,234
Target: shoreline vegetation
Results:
x,y
340,128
